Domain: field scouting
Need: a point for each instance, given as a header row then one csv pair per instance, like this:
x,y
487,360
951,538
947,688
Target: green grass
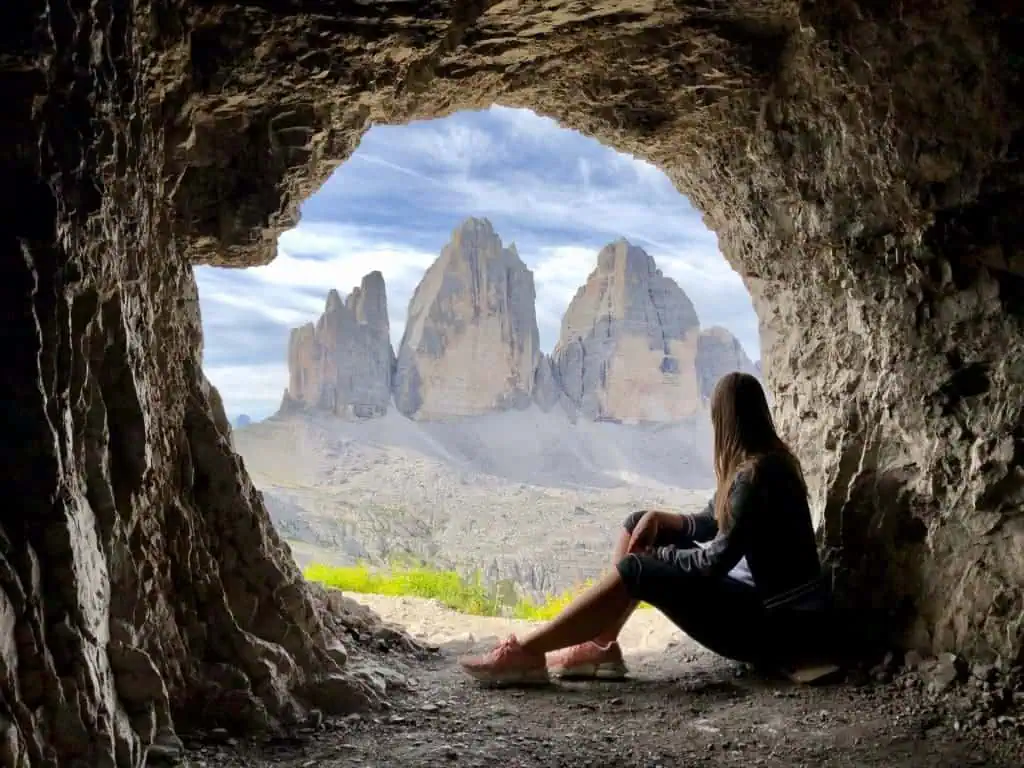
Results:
x,y
465,595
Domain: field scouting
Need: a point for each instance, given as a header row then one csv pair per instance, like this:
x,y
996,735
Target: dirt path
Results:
x,y
682,707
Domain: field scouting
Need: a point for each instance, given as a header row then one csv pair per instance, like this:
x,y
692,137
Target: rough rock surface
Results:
x,y
719,353
860,162
628,345
547,392
344,363
470,344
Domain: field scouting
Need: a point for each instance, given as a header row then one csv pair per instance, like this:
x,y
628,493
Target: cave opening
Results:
x,y
859,162
405,426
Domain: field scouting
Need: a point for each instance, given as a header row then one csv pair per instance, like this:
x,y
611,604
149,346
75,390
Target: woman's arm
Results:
x,y
646,530
703,525
726,549
700,527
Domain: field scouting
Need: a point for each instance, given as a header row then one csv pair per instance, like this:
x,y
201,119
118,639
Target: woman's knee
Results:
x,y
631,522
630,569
645,577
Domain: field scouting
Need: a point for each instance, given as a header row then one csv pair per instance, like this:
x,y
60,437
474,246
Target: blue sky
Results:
x,y
558,195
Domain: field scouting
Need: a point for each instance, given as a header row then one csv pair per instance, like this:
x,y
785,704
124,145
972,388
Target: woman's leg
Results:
x,y
588,616
723,615
611,634
666,535
524,662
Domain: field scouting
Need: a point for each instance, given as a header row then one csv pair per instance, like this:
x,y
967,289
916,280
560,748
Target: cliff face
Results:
x,y
470,343
628,345
719,353
343,364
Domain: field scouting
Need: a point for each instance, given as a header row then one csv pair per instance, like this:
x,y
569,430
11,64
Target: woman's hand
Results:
x,y
645,533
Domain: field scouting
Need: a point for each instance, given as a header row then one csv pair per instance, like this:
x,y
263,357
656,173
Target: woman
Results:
x,y
751,594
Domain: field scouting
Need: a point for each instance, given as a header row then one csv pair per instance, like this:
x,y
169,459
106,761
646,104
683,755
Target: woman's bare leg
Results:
x,y
588,616
611,634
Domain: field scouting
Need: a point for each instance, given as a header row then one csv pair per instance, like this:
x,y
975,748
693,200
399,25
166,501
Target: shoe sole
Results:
x,y
509,679
609,670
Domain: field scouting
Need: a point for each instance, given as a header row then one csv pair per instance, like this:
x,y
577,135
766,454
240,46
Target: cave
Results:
x,y
860,162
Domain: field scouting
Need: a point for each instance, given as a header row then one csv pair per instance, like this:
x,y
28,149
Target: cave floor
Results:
x,y
680,707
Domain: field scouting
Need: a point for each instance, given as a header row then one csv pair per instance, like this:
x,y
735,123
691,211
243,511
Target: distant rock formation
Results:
x,y
242,420
719,353
470,344
344,363
631,348
628,347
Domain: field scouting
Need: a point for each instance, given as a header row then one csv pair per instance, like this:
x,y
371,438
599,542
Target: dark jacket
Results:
x,y
770,526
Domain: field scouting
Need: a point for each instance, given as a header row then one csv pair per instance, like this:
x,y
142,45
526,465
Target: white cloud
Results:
x,y
255,390
343,260
558,274
349,264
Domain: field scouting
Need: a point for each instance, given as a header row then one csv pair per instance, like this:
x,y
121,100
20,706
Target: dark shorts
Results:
x,y
722,614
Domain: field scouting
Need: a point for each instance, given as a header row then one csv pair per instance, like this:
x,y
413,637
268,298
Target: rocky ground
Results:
x,y
681,706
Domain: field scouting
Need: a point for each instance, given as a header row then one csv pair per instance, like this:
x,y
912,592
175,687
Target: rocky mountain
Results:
x,y
631,348
470,344
629,340
344,363
718,353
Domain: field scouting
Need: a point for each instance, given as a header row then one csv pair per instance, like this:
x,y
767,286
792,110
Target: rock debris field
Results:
x,y
525,496
682,706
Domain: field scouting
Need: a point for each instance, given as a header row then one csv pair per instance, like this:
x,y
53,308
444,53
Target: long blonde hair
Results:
x,y
744,433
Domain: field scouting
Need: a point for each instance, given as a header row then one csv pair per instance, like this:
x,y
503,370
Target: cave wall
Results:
x,y
860,162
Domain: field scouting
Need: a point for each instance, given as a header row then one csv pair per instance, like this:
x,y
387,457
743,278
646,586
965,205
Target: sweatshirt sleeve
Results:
x,y
726,550
703,526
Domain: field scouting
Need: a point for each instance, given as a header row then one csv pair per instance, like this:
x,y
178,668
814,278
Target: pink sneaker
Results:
x,y
508,664
588,661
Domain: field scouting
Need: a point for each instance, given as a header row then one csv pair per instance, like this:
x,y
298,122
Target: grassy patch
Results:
x,y
465,595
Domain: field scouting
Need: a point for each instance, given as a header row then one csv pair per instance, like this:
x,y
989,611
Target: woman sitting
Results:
x,y
749,594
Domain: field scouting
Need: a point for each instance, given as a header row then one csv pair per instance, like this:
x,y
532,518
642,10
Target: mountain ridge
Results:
x,y
631,348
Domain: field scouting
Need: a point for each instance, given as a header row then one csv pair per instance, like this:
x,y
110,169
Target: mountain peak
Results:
x,y
343,364
475,224
719,352
334,302
622,256
471,343
631,347
629,341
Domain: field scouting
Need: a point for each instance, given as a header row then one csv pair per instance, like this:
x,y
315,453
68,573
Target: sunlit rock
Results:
x,y
470,344
343,364
628,347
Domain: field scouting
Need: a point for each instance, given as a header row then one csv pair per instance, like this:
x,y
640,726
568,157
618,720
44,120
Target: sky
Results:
x,y
558,195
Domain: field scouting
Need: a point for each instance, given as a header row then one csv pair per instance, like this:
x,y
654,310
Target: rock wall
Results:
x,y
861,163
470,344
719,353
344,363
628,346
